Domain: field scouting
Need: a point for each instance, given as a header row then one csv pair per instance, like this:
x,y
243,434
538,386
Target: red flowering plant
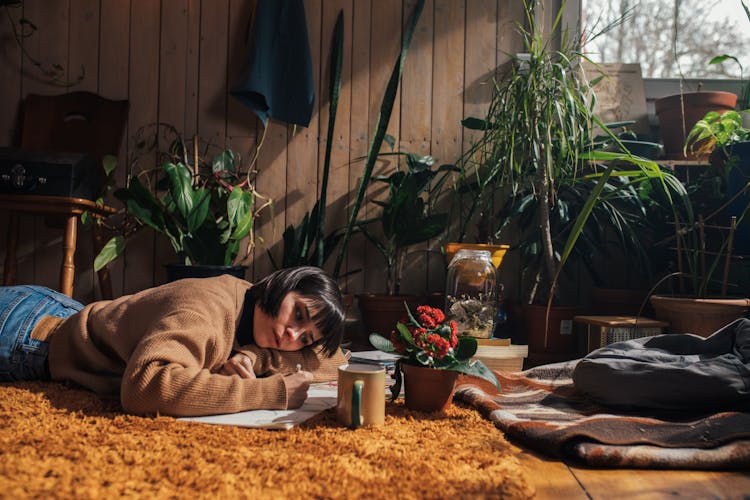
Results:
x,y
432,341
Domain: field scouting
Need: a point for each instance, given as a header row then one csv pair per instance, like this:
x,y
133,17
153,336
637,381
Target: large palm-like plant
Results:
x,y
537,144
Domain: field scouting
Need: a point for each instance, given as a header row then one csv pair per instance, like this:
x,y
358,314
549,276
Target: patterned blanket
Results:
x,y
541,409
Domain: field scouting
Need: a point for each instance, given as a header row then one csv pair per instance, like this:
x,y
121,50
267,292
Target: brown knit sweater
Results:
x,y
161,350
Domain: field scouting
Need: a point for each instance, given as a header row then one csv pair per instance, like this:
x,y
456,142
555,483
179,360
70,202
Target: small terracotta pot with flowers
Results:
x,y
432,356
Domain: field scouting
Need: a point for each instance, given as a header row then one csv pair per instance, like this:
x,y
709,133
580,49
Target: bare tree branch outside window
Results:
x,y
672,38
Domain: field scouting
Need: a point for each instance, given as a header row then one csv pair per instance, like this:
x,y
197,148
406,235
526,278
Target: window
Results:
x,y
671,38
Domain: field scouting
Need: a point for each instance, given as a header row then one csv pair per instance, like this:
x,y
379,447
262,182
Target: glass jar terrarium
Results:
x,y
470,293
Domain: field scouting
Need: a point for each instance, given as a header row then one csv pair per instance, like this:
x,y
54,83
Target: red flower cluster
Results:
x,y
432,334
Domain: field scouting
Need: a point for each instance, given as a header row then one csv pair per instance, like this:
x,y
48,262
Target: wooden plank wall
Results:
x,y
175,60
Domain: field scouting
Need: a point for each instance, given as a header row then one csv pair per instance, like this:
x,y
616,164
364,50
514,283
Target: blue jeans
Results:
x,y
21,307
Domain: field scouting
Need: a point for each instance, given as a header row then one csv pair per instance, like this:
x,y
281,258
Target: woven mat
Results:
x,y
541,409
61,442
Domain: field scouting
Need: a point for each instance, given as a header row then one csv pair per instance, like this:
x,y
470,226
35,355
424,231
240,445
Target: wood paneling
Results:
x,y
40,261
175,61
114,50
143,93
416,124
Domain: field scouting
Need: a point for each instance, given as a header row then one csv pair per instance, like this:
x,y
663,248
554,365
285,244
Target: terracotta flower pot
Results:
x,y
428,389
695,105
381,312
560,338
699,316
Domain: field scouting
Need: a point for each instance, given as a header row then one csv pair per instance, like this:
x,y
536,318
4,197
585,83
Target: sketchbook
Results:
x,y
320,397
374,357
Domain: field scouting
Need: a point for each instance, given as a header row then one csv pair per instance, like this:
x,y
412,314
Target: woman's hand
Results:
x,y
297,385
239,364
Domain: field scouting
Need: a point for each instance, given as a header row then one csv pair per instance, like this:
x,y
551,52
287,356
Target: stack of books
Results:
x,y
500,354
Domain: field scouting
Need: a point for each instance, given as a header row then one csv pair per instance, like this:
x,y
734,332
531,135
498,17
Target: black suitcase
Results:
x,y
48,173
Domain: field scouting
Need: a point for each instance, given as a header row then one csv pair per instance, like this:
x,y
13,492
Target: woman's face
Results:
x,y
291,330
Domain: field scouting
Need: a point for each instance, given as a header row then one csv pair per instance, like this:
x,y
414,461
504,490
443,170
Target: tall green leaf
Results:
x,y
334,82
386,108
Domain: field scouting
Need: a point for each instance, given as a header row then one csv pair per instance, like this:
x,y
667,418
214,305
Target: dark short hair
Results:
x,y
314,285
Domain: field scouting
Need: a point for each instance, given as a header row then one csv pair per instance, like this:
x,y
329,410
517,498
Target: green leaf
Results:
x,y
201,199
478,369
334,89
109,163
223,161
240,213
384,117
181,188
466,348
142,204
406,334
111,250
720,59
381,343
475,123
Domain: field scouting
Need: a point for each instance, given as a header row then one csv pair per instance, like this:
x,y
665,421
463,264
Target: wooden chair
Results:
x,y
78,122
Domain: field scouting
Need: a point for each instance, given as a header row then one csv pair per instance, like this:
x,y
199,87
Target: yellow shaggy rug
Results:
x,y
60,442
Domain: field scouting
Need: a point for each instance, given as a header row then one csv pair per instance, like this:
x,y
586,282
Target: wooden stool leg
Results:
x,y
69,249
105,284
9,273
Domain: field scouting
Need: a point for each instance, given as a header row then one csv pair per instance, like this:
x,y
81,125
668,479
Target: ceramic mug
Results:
x,y
361,395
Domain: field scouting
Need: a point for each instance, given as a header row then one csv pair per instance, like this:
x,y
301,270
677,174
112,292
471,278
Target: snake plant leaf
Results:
x,y
333,94
384,117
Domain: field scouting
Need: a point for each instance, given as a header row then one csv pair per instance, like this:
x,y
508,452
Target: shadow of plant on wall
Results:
x,y
23,29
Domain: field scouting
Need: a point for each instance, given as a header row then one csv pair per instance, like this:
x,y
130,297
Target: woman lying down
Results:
x,y
188,348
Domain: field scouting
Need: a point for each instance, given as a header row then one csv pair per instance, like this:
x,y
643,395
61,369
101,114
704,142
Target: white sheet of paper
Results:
x,y
320,397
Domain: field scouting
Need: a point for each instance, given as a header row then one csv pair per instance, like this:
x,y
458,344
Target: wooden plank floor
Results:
x,y
557,480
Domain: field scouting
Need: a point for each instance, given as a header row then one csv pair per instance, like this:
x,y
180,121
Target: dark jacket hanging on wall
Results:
x,y
277,81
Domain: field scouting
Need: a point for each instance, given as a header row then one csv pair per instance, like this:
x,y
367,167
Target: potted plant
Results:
x,y
431,357
701,303
206,208
726,141
537,151
406,219
679,112
706,243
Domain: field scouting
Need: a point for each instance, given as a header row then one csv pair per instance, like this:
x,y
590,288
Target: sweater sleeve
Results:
x,y
176,374
269,361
